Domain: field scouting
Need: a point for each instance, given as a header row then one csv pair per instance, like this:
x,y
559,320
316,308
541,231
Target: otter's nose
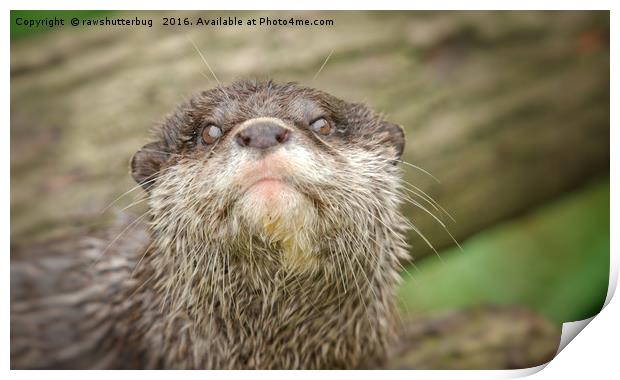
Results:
x,y
262,135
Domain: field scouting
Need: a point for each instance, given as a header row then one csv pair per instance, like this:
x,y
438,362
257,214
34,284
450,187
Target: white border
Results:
x,y
595,350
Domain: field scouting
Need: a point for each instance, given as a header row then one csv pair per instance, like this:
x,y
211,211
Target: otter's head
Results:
x,y
274,173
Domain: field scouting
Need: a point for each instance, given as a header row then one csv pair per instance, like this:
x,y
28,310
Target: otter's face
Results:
x,y
260,166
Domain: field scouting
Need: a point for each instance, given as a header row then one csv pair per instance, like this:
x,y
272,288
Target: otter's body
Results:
x,y
273,240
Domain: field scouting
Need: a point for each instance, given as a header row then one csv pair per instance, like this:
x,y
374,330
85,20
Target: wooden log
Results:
x,y
477,338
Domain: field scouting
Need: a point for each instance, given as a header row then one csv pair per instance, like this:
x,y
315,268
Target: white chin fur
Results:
x,y
287,219
276,210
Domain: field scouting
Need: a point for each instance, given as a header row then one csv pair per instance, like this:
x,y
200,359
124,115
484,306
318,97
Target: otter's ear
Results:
x,y
146,163
394,136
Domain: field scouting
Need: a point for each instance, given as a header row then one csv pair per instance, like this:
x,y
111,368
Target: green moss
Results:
x,y
554,260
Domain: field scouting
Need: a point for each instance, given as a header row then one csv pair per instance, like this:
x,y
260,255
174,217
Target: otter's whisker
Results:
x,y
133,204
206,76
417,204
429,198
417,230
142,284
418,168
323,65
146,251
166,153
117,237
422,197
204,59
151,180
359,290
125,193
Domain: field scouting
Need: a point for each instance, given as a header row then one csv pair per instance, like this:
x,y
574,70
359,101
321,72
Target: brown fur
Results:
x,y
311,286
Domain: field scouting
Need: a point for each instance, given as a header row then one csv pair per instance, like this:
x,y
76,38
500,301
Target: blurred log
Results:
x,y
516,117
477,338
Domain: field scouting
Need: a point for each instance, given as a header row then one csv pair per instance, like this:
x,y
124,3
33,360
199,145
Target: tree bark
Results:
x,y
476,338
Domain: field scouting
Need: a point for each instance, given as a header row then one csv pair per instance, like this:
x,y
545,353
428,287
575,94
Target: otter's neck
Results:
x,y
241,311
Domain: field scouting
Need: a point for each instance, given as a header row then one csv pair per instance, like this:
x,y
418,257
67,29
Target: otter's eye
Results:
x,y
211,133
322,126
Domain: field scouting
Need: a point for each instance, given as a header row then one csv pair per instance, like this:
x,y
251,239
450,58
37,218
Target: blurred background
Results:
x,y
508,110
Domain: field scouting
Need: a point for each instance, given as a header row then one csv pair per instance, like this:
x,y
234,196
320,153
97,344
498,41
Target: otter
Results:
x,y
272,241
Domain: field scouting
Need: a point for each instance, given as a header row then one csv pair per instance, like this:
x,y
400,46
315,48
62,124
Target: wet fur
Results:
x,y
313,287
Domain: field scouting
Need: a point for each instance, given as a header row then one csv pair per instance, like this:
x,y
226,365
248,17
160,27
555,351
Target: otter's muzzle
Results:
x,y
262,133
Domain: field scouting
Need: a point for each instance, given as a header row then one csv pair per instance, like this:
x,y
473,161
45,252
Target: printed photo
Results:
x,y
306,189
